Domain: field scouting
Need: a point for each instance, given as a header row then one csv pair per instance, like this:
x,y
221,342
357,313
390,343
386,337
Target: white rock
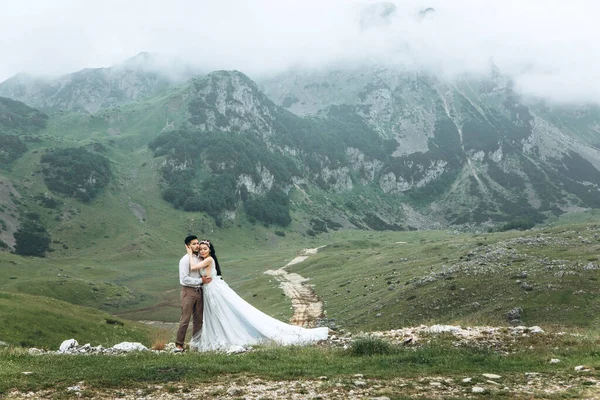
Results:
x,y
536,329
68,344
477,389
582,368
360,383
235,391
467,380
554,361
492,376
443,328
130,346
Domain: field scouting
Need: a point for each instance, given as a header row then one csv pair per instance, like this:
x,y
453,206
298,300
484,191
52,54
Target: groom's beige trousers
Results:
x,y
192,307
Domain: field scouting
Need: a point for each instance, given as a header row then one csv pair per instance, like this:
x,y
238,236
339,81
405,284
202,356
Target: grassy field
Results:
x,y
37,321
384,369
367,280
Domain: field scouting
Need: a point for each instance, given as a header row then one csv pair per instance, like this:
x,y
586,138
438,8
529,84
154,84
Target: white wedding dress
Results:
x,y
230,323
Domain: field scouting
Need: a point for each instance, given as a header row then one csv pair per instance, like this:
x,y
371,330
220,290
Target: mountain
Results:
x,y
469,150
92,89
367,148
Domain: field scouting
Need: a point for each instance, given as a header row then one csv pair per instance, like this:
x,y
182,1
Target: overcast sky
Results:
x,y
549,47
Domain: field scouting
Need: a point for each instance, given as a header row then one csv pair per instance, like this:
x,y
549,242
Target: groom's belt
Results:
x,y
193,287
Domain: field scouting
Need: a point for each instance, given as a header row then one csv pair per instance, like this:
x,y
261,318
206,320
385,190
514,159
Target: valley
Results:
x,y
387,206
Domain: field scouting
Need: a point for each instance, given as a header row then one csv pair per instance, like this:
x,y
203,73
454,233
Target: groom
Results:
x,y
192,302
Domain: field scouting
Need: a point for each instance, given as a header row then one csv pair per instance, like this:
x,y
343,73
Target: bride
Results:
x,y
230,322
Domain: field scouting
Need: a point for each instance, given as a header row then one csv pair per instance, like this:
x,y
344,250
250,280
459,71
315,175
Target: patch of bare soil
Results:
x,y
308,308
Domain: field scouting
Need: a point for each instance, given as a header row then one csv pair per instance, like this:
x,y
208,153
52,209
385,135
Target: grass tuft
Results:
x,y
370,346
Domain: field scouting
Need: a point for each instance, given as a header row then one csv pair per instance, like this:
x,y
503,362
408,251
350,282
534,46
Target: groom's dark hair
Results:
x,y
189,239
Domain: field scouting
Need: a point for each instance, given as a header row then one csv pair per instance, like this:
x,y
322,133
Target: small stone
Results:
x,y
129,346
435,384
27,372
360,383
323,378
582,368
68,344
467,380
477,389
234,391
492,376
554,361
536,329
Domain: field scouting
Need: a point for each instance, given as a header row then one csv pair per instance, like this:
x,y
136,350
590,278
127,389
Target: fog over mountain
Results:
x,y
547,47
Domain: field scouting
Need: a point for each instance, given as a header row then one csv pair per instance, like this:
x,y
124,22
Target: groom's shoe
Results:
x,y
178,349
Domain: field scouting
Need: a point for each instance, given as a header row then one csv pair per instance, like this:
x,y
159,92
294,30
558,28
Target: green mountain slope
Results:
x,y
36,321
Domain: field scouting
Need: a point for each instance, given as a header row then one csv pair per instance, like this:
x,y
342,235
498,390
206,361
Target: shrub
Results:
x,y
76,172
47,201
369,346
273,208
520,224
32,239
11,148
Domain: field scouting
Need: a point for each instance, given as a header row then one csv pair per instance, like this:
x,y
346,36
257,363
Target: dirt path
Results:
x,y
307,306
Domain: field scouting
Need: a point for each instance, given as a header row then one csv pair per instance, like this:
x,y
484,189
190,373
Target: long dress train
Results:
x,y
230,322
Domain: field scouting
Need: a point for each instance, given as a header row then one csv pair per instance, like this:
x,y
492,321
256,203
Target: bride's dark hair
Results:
x,y
212,254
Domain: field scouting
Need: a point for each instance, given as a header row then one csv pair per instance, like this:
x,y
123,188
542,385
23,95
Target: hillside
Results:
x,y
394,151
36,321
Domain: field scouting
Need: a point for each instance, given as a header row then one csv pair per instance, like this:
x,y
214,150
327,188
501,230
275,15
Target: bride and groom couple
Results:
x,y
222,320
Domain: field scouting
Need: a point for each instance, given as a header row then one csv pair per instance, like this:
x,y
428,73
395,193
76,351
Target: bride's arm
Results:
x,y
202,264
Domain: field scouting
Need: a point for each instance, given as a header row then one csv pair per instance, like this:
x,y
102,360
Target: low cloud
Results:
x,y
548,47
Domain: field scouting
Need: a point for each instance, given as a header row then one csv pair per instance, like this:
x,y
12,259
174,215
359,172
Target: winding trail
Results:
x,y
305,302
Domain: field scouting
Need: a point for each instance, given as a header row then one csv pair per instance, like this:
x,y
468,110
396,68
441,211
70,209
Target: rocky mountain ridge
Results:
x,y
92,89
428,152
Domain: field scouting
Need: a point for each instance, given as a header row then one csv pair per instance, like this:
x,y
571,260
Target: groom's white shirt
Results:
x,y
187,277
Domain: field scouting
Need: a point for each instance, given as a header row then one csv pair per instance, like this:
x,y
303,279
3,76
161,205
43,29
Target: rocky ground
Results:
x,y
529,386
583,382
